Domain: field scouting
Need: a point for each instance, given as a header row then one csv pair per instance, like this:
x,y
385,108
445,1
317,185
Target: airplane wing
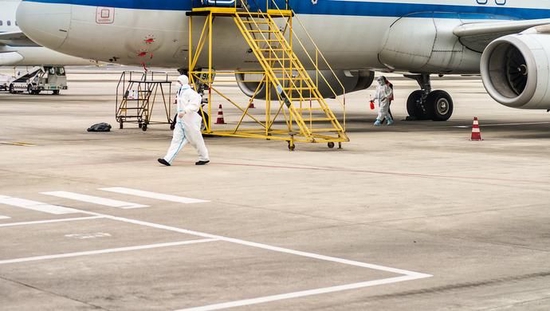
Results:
x,y
476,36
15,38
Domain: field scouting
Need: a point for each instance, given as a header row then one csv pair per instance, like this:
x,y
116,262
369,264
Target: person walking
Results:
x,y
383,94
188,125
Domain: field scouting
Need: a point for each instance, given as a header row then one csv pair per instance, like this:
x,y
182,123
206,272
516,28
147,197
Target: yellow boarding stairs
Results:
x,y
308,118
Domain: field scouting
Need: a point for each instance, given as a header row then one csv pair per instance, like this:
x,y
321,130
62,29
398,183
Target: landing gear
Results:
x,y
442,105
415,106
425,104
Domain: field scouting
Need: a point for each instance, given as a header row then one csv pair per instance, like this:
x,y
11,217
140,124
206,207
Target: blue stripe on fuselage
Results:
x,y
335,7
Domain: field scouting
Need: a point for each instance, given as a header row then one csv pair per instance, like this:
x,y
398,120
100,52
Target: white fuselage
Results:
x,y
351,34
160,37
13,53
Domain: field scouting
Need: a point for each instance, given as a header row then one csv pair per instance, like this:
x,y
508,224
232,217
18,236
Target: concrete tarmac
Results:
x,y
412,216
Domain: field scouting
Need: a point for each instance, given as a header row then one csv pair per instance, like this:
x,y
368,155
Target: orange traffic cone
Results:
x,y
220,119
476,133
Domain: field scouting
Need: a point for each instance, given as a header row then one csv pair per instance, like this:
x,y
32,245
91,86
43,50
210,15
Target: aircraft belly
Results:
x,y
427,45
334,41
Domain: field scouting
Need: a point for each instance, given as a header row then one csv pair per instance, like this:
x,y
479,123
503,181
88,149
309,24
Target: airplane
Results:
x,y
16,49
506,41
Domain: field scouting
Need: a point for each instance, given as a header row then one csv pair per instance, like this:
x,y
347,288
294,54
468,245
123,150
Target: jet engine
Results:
x,y
515,70
350,81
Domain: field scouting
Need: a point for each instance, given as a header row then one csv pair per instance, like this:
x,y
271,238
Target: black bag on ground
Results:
x,y
100,127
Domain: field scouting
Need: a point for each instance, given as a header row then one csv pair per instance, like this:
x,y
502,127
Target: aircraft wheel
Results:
x,y
442,105
415,108
55,92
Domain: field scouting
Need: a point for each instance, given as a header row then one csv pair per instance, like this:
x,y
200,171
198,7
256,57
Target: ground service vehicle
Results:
x,y
39,79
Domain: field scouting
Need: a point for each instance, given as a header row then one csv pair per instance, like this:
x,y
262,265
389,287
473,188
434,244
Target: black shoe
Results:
x,y
162,161
201,162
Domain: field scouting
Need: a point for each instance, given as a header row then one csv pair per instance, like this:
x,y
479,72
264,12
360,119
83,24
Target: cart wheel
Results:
x,y
140,125
172,127
291,146
120,124
330,144
144,127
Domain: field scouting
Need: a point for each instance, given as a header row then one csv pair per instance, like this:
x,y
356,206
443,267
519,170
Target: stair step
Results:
x,y
326,119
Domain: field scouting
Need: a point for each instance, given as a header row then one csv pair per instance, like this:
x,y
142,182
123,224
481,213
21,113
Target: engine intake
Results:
x,y
515,70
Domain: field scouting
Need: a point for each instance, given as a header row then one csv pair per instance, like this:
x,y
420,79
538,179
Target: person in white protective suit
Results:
x,y
383,95
188,125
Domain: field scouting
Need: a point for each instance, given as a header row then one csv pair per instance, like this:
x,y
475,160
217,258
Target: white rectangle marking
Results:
x,y
153,195
94,199
4,217
406,274
36,206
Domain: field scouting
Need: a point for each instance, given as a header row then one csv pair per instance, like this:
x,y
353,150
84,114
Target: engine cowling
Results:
x,y
352,80
515,70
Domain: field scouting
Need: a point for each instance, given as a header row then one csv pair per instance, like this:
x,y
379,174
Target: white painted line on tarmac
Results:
x,y
268,247
153,195
4,217
38,222
37,206
103,251
94,199
311,292
406,275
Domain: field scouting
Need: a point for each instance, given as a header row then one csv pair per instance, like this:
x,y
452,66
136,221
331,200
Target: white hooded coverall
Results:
x,y
383,92
188,123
